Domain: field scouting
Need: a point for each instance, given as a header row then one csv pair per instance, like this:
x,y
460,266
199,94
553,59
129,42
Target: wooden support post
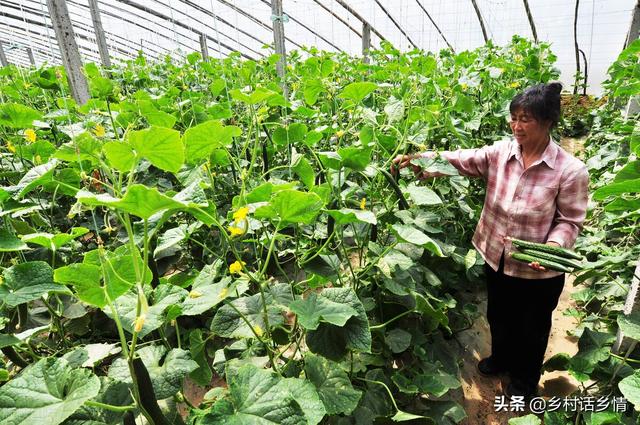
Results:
x,y
531,22
631,305
634,28
576,47
32,59
100,37
278,37
3,57
366,42
484,30
204,49
69,50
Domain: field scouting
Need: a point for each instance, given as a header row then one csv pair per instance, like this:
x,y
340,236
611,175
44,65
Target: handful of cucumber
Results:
x,y
549,257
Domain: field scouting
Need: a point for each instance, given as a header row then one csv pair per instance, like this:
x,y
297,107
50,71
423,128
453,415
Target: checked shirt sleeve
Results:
x,y
571,209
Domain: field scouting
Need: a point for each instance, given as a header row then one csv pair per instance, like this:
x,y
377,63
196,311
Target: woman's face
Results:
x,y
528,130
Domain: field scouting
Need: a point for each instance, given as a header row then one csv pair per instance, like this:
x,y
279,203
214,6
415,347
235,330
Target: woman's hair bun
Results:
x,y
554,88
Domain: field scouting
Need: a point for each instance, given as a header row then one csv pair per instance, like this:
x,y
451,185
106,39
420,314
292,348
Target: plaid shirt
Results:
x,y
546,202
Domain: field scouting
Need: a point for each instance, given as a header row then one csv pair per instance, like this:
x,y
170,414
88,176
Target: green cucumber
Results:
x,y
555,258
555,250
544,263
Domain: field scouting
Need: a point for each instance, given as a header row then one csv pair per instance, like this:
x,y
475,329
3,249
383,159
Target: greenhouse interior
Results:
x,y
309,212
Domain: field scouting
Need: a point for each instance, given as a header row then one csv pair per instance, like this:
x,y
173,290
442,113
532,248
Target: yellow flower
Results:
x,y
139,322
339,133
236,267
99,131
30,135
241,214
258,330
236,231
194,294
363,203
515,84
464,86
37,159
11,148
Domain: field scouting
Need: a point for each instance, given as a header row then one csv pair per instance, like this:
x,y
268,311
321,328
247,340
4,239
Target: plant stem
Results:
x,y
110,407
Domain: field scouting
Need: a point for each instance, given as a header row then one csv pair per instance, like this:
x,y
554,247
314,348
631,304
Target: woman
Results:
x,y
536,191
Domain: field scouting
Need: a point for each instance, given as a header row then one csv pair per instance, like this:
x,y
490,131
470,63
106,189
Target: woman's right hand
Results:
x,y
403,161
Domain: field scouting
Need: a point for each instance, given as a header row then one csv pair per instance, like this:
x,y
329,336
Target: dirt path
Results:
x,y
479,392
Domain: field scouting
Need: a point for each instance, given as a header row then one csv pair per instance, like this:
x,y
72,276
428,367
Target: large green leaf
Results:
x,y
120,155
630,389
154,116
54,242
303,169
46,392
348,215
161,146
625,186
9,243
15,115
201,140
630,325
333,341
103,276
257,397
356,158
28,281
293,206
231,319
260,94
332,383
112,392
139,200
206,294
413,235
37,176
166,369
315,309
357,91
423,195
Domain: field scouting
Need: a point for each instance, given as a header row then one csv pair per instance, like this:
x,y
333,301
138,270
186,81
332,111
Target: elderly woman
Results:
x,y
536,191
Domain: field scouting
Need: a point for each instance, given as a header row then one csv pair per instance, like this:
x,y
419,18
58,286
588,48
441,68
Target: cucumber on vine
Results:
x,y
555,250
544,263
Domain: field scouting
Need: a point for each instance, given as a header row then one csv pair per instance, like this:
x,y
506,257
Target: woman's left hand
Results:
x,y
536,266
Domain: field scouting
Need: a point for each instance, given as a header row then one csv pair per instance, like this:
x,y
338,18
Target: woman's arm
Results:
x,y
468,162
571,209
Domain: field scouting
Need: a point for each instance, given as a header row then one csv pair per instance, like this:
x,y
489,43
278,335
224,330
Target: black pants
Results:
x,y
519,314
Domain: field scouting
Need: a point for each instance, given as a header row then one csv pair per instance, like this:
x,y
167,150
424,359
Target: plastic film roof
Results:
x,y
161,27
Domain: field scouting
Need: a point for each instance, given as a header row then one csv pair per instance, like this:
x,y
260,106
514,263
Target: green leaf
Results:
x,y
394,109
48,391
54,242
347,215
139,200
9,243
421,195
293,206
424,307
332,383
316,309
257,397
630,388
200,141
120,155
37,176
84,147
415,236
312,90
401,416
626,186
8,340
333,341
197,347
28,281
525,420
90,355
161,146
470,259
594,346
357,91
258,95
630,325
230,323
112,392
166,369
206,294
294,133
154,116
356,158
15,115
303,169
398,340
